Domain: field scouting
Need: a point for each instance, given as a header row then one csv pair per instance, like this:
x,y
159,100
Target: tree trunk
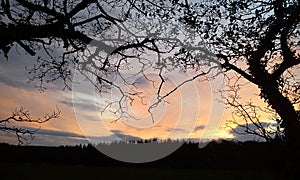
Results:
x,y
285,110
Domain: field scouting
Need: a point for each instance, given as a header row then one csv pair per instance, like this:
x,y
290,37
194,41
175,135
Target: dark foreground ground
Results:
x,y
222,160
54,171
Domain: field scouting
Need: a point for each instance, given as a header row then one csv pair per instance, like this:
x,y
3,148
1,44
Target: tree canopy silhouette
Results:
x,y
259,41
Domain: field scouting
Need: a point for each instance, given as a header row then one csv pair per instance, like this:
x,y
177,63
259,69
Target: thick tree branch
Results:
x,y
35,7
228,66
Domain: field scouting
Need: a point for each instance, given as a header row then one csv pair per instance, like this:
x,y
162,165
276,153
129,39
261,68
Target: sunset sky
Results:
x,y
192,112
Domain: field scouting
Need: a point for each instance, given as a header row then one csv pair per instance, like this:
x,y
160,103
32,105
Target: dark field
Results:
x,y
52,171
218,160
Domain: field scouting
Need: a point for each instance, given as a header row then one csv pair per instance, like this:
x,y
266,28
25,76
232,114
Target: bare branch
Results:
x,y
22,115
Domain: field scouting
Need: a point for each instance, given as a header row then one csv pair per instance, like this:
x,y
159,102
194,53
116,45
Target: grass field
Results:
x,y
51,171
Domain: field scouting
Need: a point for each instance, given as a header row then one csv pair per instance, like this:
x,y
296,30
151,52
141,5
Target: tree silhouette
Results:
x,y
258,40
103,40
12,123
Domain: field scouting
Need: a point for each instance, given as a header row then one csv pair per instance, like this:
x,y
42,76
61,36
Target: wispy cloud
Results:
x,y
14,72
240,135
81,105
125,137
198,128
56,137
176,129
47,137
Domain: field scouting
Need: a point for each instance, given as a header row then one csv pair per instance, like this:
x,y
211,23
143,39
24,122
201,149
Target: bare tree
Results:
x,y
247,116
12,124
105,41
258,40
